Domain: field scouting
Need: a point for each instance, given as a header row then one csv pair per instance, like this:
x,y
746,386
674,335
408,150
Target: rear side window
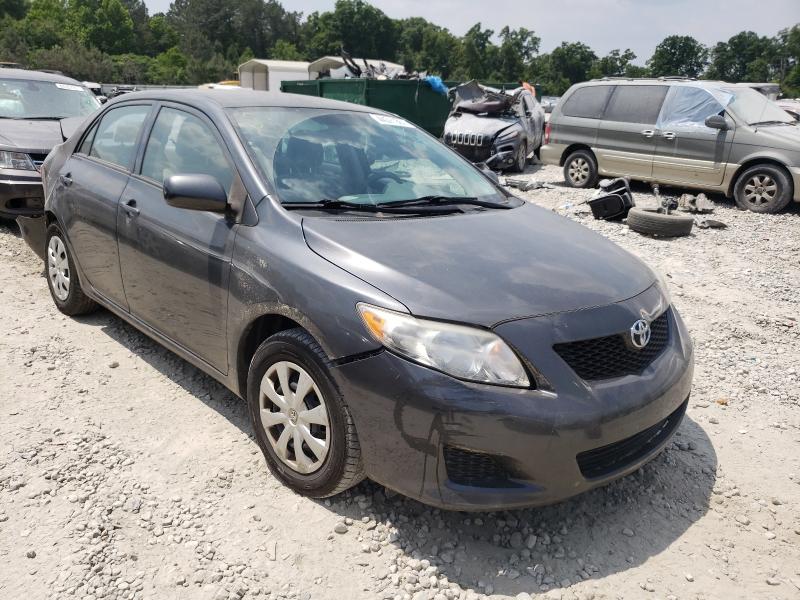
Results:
x,y
636,103
587,102
115,140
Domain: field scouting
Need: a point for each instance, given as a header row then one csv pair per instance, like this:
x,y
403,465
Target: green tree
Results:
x,y
614,64
478,54
284,50
74,59
517,49
358,27
168,68
423,46
678,55
12,8
745,57
570,63
162,35
43,25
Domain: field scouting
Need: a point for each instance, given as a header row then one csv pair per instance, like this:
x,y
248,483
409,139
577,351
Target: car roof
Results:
x,y
36,76
688,81
242,98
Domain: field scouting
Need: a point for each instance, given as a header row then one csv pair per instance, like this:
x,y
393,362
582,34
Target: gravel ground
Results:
x,y
125,473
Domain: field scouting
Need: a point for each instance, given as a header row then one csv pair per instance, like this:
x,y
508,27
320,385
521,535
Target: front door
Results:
x,y
687,151
92,180
626,139
176,262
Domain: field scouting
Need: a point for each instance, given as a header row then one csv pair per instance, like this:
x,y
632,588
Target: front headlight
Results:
x,y
16,160
463,352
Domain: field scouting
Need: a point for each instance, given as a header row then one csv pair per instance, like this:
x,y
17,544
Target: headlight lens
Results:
x,y
16,160
463,352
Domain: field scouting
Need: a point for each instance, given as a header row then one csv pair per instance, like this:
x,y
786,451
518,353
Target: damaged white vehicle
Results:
x,y
500,129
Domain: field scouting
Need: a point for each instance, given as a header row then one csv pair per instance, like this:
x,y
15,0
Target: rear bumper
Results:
x,y
20,194
550,154
414,422
795,173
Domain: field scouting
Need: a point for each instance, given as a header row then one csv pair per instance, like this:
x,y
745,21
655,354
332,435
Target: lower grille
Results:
x,y
606,460
473,153
611,356
476,469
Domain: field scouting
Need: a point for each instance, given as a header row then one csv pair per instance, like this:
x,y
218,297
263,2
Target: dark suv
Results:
x,y
703,134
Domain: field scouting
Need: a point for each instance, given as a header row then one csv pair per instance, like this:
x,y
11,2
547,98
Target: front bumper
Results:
x,y
21,194
795,172
409,418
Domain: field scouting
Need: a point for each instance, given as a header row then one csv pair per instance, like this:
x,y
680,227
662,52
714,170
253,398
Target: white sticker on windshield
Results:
x,y
69,86
393,121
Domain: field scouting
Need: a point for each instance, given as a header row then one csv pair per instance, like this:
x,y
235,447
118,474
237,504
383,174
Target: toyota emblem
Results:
x,y
640,334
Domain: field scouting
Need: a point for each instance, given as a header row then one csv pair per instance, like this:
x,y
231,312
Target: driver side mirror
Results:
x,y
195,192
716,122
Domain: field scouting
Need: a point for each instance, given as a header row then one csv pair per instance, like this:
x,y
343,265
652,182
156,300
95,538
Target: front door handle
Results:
x,y
130,208
669,135
66,179
648,133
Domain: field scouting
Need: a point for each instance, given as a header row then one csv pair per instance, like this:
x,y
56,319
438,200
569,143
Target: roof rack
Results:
x,y
663,78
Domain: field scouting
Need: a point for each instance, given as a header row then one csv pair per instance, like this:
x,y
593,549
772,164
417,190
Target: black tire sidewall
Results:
x,y
591,181
287,347
778,175
658,224
67,306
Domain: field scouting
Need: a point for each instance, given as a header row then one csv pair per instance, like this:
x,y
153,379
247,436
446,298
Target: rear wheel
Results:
x,y
580,169
763,188
62,279
301,422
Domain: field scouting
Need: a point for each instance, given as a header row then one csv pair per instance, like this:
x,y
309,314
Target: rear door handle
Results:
x,y
66,179
130,208
669,135
648,133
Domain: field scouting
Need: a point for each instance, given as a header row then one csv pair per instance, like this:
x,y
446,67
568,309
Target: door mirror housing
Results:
x,y
717,122
195,192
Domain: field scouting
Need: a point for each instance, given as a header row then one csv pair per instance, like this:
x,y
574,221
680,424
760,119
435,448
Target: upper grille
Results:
x,y
611,356
605,460
475,469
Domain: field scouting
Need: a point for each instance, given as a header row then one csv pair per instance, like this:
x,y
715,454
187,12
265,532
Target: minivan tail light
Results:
x,y
547,133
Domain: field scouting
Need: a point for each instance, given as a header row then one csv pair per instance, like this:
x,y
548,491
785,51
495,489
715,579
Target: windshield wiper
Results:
x,y
371,208
443,201
36,118
771,123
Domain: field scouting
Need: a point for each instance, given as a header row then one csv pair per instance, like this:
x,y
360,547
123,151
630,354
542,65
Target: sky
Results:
x,y
602,24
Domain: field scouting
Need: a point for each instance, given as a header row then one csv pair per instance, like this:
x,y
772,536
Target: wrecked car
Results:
x,y
385,310
501,129
37,111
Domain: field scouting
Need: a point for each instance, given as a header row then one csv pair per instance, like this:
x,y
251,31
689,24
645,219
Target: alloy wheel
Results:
x,y
579,171
295,417
760,189
58,267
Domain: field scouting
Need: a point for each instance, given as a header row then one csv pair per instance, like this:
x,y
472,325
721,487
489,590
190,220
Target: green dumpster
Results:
x,y
409,98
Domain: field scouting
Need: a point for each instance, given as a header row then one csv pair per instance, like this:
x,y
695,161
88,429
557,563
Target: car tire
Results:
x,y
659,224
62,278
520,158
580,169
289,356
763,188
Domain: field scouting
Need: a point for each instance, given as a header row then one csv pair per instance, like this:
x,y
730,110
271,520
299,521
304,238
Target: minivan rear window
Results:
x,y
636,103
587,102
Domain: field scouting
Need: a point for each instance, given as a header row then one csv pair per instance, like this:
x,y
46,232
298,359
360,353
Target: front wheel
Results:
x,y
763,189
301,422
520,158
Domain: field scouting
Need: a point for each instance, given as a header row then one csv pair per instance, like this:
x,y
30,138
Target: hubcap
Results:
x,y
58,267
760,189
295,417
579,170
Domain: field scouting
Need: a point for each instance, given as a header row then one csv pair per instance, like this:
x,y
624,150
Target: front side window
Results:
x,y
686,108
117,134
28,99
636,104
312,155
183,144
587,102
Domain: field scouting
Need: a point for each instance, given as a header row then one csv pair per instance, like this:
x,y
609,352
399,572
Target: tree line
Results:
x,y
198,41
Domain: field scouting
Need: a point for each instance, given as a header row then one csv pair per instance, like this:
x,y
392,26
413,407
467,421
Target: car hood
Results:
x,y
36,136
484,267
785,137
486,126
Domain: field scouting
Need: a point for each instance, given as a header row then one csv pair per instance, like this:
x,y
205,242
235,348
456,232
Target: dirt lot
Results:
x,y
127,473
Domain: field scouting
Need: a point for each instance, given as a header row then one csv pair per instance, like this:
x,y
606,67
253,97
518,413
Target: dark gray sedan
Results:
x,y
383,307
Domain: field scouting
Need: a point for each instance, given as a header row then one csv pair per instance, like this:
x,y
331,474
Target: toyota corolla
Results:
x,y
385,309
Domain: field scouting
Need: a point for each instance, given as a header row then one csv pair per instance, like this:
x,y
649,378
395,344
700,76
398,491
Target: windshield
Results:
x,y
26,99
311,155
754,107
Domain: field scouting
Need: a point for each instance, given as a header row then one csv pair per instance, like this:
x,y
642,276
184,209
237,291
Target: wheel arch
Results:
x,y
752,162
572,148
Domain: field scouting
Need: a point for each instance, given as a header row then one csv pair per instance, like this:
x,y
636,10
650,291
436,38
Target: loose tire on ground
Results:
x,y
659,224
580,169
62,278
342,466
763,188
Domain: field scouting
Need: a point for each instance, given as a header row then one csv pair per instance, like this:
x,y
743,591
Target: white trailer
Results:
x,y
266,75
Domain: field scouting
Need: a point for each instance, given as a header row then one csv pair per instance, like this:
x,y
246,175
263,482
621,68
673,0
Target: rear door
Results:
x,y
626,139
90,184
686,150
176,262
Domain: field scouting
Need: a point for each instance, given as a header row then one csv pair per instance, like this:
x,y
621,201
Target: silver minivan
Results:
x,y
708,135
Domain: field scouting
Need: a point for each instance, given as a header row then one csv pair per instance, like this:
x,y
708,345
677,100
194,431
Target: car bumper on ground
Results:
x,y
465,446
